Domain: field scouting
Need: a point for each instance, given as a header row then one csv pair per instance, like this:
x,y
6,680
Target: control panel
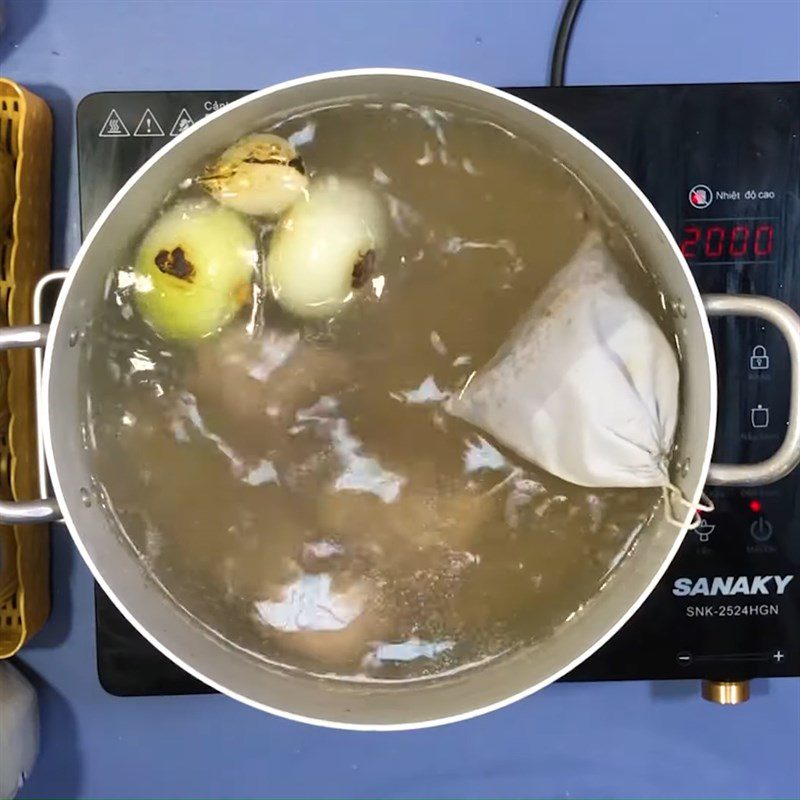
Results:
x,y
721,164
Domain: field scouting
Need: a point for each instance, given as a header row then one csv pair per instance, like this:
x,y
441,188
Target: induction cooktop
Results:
x,y
721,164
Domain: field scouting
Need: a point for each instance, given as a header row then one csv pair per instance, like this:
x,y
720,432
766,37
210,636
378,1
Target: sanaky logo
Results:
x,y
731,585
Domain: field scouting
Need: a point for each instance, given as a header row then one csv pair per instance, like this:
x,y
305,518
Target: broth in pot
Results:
x,y
294,481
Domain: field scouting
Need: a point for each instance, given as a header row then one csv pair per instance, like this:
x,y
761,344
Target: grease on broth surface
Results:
x,y
296,485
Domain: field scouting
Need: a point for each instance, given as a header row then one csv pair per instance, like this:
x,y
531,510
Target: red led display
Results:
x,y
727,241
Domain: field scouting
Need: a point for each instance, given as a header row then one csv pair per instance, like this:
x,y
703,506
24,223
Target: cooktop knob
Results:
x,y
726,693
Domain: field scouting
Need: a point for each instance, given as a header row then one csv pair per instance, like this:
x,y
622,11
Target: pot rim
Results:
x,y
55,327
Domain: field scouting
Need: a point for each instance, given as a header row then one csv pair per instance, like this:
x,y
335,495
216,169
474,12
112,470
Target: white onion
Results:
x,y
261,175
194,269
325,248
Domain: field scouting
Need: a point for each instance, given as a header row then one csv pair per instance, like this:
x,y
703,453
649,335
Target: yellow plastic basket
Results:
x,y
26,130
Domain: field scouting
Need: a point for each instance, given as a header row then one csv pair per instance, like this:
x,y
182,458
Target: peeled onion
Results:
x,y
194,269
261,175
325,248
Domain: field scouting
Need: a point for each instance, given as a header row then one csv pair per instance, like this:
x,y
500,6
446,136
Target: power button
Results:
x,y
761,529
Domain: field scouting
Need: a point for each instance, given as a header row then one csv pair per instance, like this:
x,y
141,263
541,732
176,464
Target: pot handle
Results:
x,y
27,511
787,456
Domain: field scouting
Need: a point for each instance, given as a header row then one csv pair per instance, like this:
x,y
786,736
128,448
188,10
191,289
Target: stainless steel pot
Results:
x,y
341,703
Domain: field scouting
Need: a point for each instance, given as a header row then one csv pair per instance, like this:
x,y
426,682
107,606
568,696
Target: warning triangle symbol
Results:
x,y
183,121
148,125
114,126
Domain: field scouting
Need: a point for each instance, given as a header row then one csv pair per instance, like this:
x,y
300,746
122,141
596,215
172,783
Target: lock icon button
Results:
x,y
759,358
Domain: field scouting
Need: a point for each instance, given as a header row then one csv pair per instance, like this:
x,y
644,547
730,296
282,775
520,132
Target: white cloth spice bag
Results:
x,y
586,386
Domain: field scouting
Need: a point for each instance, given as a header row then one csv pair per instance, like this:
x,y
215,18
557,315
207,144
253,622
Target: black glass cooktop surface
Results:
x,y
721,163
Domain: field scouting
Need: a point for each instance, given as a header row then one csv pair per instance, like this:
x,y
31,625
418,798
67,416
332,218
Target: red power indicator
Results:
x,y
755,506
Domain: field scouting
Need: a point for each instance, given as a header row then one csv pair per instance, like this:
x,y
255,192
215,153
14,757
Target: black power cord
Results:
x,y
568,15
